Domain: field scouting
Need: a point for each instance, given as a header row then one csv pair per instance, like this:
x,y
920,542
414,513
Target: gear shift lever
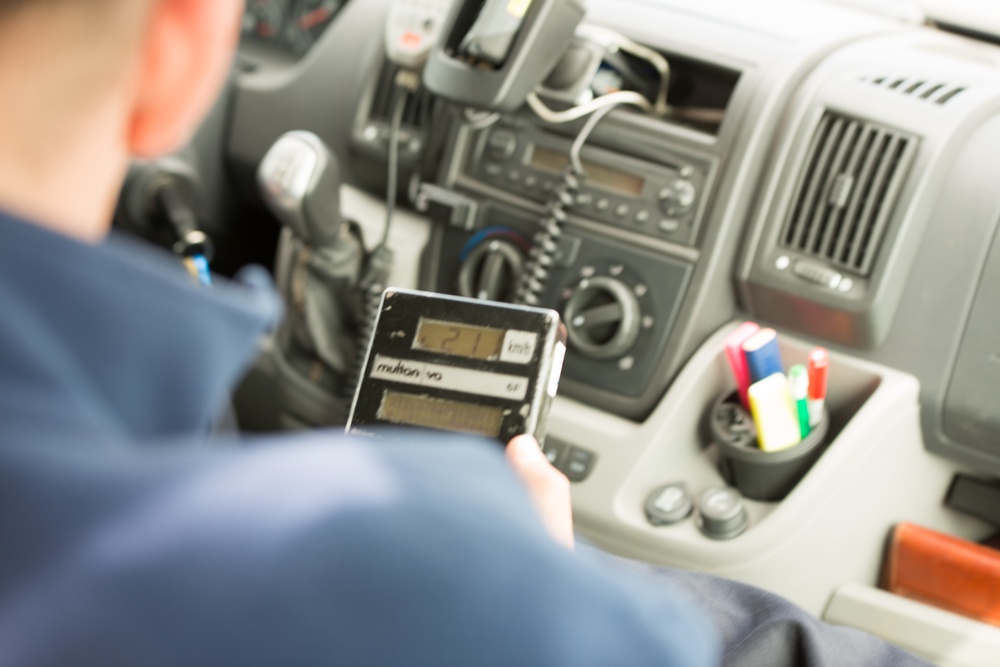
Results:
x,y
318,269
300,180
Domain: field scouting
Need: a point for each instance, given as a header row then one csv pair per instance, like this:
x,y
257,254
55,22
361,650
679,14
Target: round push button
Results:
x,y
669,504
722,514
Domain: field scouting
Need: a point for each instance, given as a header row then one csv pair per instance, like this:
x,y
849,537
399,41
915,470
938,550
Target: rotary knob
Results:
x,y
491,271
678,198
603,318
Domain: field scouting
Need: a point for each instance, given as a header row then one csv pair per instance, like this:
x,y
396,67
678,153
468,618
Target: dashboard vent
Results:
x,y
853,174
925,90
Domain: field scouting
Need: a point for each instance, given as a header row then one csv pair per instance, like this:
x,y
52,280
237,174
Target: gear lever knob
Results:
x,y
299,179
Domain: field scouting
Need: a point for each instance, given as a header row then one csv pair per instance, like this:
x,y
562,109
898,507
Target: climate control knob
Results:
x,y
491,271
603,318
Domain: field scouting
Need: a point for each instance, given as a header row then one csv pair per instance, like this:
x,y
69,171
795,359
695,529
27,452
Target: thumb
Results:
x,y
548,488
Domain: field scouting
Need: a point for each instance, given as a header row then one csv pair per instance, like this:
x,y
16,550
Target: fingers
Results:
x,y
548,488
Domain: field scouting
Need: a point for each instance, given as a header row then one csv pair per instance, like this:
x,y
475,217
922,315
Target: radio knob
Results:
x,y
501,145
491,271
603,318
678,198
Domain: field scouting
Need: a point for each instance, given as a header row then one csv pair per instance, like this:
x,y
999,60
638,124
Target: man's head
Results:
x,y
87,84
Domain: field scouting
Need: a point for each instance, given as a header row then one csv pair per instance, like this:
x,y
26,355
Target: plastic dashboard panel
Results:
x,y
908,364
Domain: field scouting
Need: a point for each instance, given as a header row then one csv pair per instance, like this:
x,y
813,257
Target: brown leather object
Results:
x,y
944,571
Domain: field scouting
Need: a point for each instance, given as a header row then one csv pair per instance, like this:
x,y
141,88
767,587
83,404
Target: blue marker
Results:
x,y
762,355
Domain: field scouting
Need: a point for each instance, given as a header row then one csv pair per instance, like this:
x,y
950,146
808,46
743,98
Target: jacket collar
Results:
x,y
116,338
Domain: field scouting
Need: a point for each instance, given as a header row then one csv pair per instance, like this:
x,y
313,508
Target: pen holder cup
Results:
x,y
760,475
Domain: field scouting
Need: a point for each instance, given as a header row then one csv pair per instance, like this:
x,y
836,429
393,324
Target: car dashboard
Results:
x,y
826,170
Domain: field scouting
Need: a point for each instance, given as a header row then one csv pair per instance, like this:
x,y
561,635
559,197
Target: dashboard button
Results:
x,y
623,210
554,452
669,226
579,464
722,514
502,145
642,217
603,204
669,504
678,198
494,170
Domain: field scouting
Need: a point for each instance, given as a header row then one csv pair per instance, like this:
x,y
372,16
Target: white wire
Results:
x,y
480,120
581,139
613,41
661,64
604,101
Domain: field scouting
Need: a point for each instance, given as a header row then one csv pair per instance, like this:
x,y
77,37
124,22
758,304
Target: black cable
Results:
x,y
392,178
375,278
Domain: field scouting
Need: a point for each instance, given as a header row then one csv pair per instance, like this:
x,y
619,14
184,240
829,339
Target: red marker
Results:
x,y
737,361
819,368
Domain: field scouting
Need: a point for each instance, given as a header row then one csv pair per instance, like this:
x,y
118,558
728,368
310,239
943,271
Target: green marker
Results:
x,y
798,384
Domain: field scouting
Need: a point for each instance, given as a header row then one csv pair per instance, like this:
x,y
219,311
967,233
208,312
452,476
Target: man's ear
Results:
x,y
183,58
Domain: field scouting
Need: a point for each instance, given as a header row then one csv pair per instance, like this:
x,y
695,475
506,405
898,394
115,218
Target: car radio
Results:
x,y
657,199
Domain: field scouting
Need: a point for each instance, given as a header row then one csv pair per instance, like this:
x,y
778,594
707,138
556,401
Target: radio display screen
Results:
x,y
612,179
436,413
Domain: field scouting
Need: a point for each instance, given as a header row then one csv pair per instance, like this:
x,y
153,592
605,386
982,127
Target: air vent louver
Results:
x,y
852,178
921,89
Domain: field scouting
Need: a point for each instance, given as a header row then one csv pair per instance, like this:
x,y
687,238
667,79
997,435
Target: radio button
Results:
x,y
493,170
643,217
623,210
678,198
514,176
670,226
530,181
584,199
502,145
603,204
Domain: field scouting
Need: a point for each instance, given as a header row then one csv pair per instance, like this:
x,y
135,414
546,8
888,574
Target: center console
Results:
x,y
623,264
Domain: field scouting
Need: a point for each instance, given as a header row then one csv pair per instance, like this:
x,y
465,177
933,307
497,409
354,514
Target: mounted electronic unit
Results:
x,y
494,52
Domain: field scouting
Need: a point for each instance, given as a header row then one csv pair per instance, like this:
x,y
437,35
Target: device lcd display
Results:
x,y
424,411
459,340
613,179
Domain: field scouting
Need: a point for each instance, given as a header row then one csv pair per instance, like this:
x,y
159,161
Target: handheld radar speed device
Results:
x,y
456,364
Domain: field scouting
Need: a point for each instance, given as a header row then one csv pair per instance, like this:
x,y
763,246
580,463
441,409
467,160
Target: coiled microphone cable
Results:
x,y
545,247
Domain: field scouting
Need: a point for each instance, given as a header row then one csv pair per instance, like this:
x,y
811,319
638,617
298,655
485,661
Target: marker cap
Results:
x,y
737,362
819,368
763,355
777,423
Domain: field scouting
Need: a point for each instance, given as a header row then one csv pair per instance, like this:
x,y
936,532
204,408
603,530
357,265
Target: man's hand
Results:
x,y
548,488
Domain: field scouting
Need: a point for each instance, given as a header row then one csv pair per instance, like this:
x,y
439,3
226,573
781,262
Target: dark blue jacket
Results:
x,y
127,537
